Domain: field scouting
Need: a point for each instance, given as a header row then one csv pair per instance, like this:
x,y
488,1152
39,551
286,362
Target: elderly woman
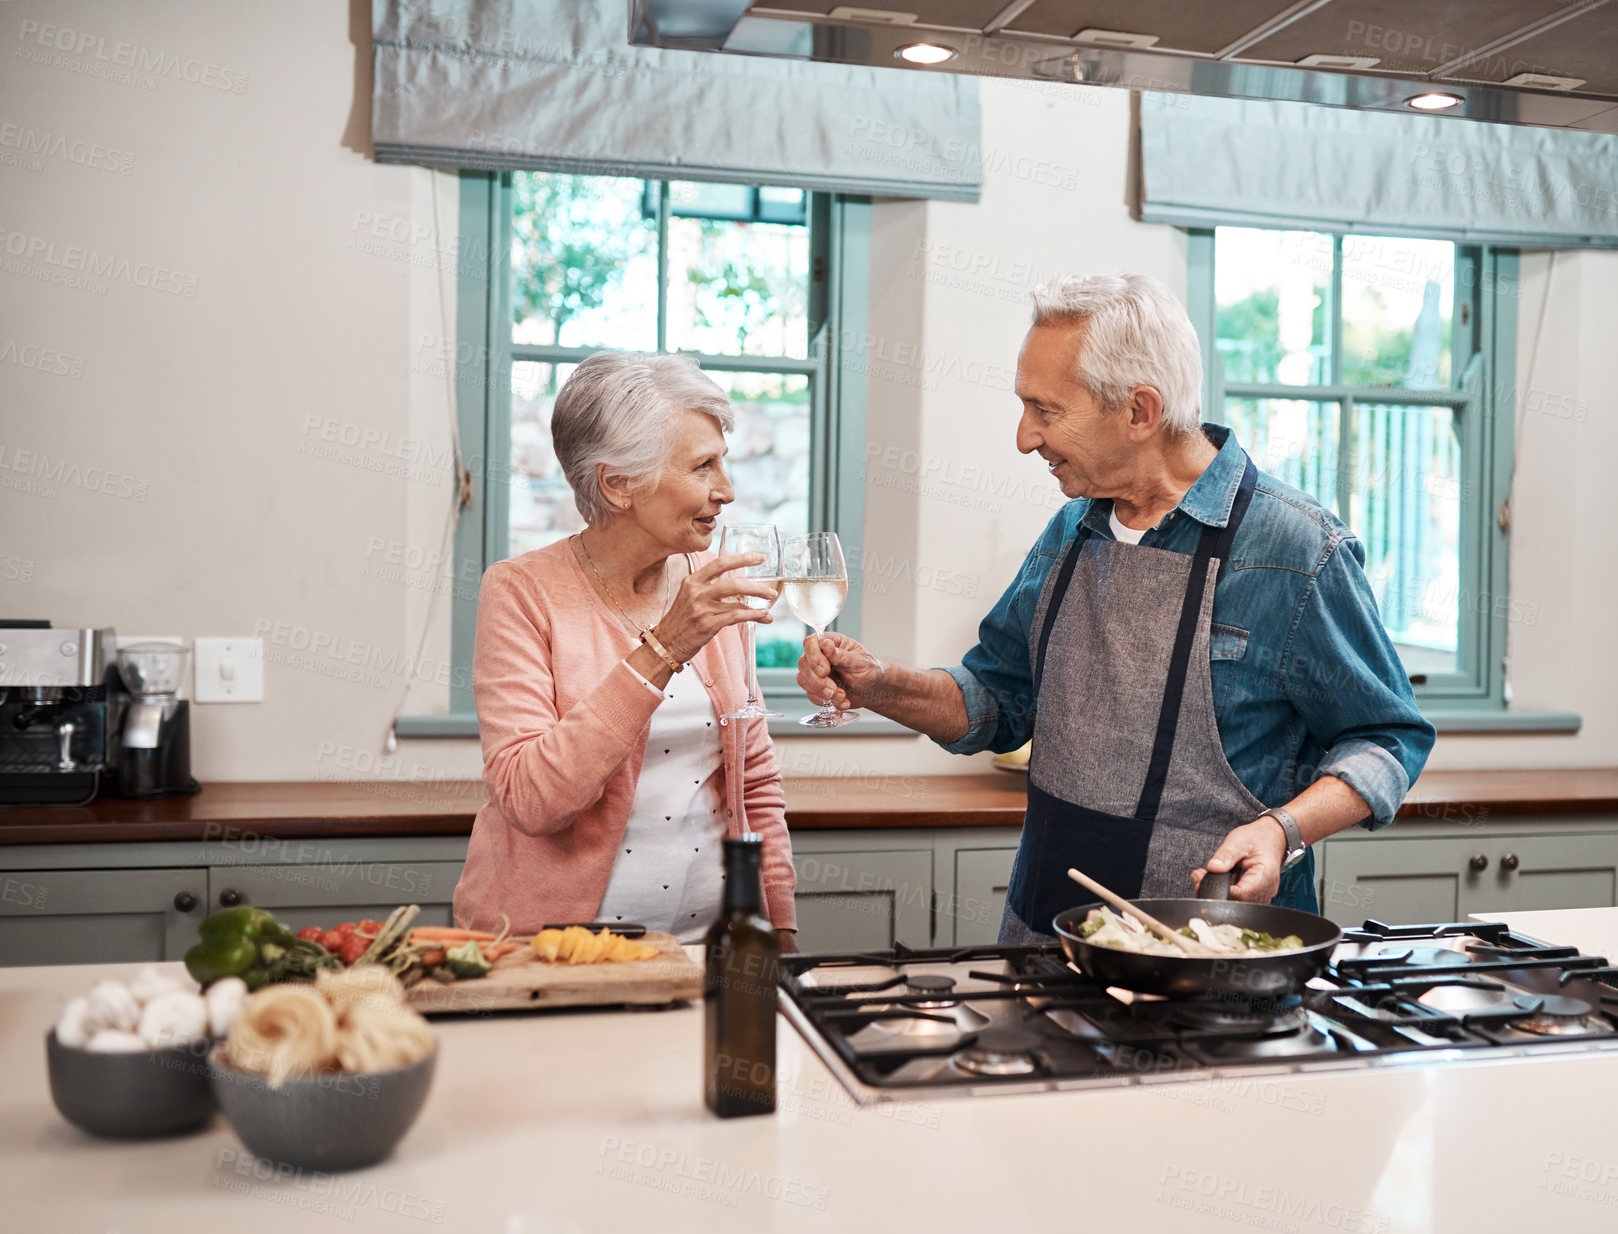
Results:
x,y
603,665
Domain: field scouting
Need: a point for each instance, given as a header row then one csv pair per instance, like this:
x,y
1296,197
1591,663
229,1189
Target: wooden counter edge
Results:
x,y
359,809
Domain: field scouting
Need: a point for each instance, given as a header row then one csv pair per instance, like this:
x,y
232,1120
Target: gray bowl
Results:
x,y
134,1095
327,1123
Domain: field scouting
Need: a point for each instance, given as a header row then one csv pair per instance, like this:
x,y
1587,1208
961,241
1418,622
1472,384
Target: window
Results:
x,y
748,280
1364,370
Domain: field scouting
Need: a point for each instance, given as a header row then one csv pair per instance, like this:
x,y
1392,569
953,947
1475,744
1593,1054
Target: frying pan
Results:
x,y
1255,978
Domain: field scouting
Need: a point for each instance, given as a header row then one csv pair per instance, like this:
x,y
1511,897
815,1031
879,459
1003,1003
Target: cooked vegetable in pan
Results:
x,y
1108,929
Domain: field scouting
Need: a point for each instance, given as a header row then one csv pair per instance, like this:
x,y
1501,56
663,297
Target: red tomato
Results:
x,y
353,948
332,940
312,933
373,928
346,928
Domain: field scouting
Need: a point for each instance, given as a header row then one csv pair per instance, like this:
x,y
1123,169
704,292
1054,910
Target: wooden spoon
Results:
x,y
1190,946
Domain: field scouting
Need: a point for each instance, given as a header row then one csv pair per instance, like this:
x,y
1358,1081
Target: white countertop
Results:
x,y
559,1122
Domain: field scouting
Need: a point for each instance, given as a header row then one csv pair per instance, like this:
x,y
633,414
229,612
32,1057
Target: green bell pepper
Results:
x,y
243,942
245,921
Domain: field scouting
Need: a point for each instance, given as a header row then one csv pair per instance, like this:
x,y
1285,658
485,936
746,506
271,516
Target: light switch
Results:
x,y
230,670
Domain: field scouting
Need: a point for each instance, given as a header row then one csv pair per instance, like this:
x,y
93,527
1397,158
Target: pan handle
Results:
x,y
1214,887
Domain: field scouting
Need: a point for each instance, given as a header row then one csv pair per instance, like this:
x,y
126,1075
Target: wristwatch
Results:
x,y
1296,848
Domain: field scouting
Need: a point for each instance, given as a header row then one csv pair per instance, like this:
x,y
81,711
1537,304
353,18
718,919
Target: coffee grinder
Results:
x,y
154,750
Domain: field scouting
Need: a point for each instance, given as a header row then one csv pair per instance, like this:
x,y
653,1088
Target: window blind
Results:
x,y
555,86
1203,162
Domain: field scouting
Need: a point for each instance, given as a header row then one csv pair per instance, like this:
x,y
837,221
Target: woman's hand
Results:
x,y
837,669
702,606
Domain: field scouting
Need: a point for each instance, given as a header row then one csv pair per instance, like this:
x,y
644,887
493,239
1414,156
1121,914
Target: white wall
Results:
x,y
1564,565
306,313
292,313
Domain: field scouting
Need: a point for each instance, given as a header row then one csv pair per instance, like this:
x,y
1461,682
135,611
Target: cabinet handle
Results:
x,y
230,897
1510,861
185,901
1479,863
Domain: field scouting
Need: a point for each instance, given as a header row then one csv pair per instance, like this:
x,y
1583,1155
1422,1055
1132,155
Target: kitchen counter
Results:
x,y
574,1123
356,808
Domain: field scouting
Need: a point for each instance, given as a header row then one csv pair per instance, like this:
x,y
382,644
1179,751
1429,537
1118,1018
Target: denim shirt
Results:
x,y
1306,681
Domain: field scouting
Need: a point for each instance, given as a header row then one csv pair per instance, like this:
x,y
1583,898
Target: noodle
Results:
x,y
377,1039
368,984
283,1031
354,1021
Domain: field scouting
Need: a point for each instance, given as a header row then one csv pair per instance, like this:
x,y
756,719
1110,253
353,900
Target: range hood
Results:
x,y
1547,63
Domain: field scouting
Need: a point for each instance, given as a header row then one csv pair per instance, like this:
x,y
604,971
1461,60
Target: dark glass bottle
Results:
x,y
739,992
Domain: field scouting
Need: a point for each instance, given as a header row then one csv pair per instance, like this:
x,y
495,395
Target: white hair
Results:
x,y
618,408
1136,334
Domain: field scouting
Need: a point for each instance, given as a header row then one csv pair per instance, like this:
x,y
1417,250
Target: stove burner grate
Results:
x,y
1555,1015
1420,957
937,986
1000,1052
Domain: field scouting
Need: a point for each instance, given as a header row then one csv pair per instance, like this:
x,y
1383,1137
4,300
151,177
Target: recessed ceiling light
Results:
x,y
1114,38
925,53
1543,81
1321,60
1434,101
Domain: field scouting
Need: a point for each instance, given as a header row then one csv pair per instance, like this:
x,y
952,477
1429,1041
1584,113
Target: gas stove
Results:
x,y
912,1025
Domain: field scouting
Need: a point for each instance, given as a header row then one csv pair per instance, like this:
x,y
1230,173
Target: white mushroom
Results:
x,y
111,1005
70,1029
224,998
149,984
174,1019
116,1041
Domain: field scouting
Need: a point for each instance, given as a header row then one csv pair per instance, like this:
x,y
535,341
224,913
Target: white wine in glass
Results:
x,y
816,601
816,589
758,601
764,539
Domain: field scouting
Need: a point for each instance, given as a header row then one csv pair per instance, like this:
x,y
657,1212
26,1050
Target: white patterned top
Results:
x,y
670,868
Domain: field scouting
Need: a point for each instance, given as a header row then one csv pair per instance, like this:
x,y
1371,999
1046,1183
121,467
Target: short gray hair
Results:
x,y
1136,334
618,408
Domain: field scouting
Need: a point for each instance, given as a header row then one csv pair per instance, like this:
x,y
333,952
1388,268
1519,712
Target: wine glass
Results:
x,y
816,585
760,538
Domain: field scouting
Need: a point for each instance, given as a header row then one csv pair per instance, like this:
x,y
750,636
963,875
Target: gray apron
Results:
x,y
1128,780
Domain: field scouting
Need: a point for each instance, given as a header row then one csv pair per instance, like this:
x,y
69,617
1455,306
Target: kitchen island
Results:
x,y
565,1122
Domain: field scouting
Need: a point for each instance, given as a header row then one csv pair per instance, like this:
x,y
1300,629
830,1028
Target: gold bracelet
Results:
x,y
650,640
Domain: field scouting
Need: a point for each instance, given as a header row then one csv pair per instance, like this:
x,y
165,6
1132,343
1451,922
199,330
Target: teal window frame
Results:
x,y
484,356
1483,395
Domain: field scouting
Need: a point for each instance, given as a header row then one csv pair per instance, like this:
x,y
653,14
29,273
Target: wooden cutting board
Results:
x,y
523,981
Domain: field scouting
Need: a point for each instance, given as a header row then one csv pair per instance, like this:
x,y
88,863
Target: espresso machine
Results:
x,y
154,744
80,720
61,704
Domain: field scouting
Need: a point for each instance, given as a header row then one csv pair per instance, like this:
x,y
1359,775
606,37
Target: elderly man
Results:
x,y
1192,645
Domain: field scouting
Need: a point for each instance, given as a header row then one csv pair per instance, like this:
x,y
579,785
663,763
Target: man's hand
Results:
x,y
836,668
1259,848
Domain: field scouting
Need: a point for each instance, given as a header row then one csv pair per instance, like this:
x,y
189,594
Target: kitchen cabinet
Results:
x,y
103,916
106,903
851,900
1437,872
858,888
1527,873
324,894
971,916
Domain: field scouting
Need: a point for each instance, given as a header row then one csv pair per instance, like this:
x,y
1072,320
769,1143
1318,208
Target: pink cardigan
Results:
x,y
564,723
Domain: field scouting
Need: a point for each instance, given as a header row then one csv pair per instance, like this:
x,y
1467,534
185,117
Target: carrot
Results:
x,y
449,934
495,950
